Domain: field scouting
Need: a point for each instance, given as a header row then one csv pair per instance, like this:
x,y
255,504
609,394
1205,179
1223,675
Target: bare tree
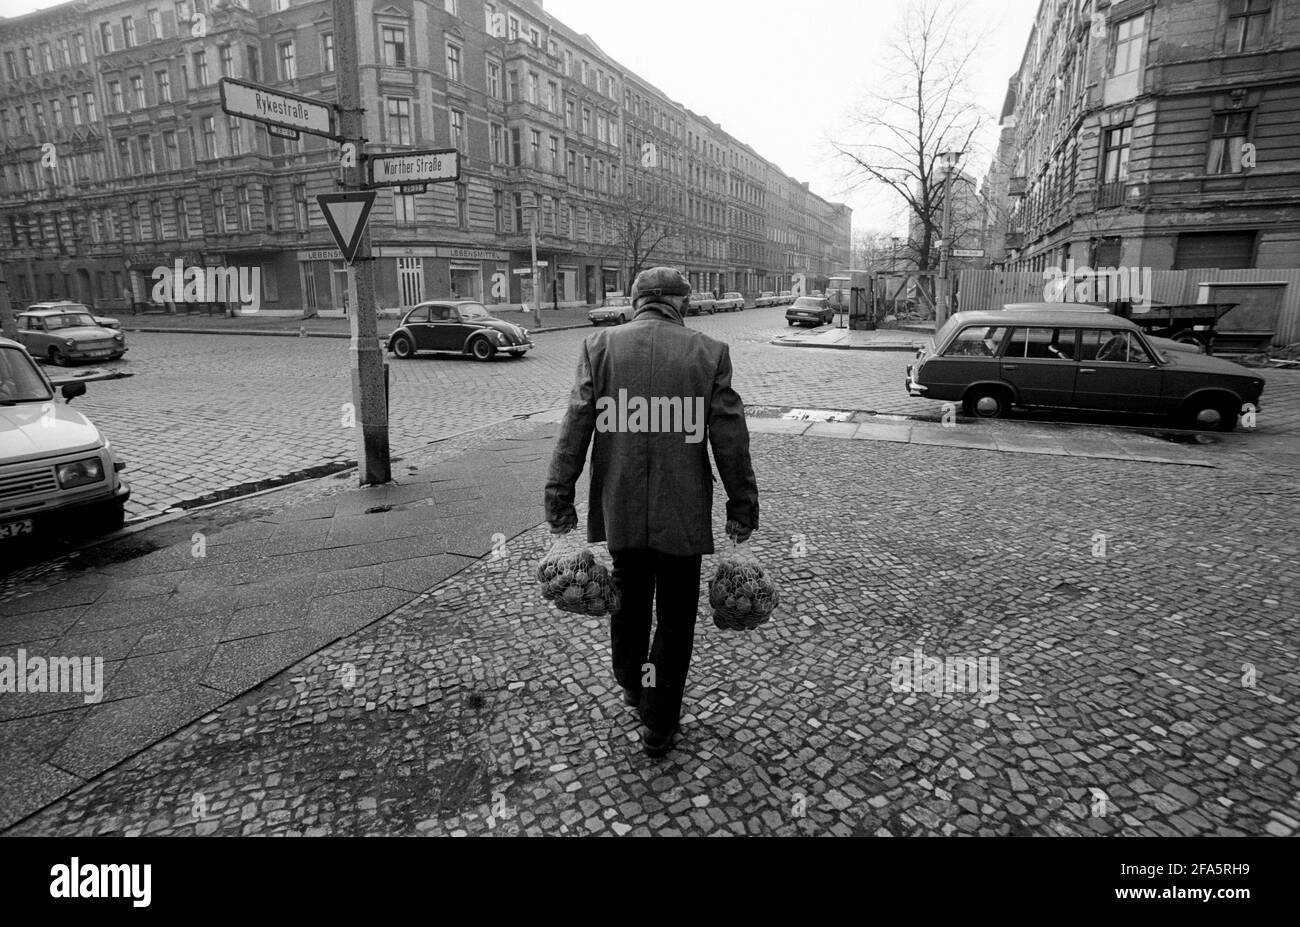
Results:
x,y
877,250
921,110
645,224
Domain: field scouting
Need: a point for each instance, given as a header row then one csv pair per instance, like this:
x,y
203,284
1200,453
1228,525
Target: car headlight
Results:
x,y
69,342
119,337
501,339
80,472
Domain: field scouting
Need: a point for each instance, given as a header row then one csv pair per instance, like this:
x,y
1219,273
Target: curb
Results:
x,y
881,346
292,334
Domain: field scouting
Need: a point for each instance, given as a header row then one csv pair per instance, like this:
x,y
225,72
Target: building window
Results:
x,y
1247,24
498,210
494,80
300,214
79,41
552,96
490,18
327,52
74,110
570,167
47,57
519,211
164,81
568,63
512,85
91,114
284,53
155,219
56,112
451,6
586,122
137,91
201,68
462,205
235,131
219,210
535,37
146,154
555,154
453,62
457,130
586,171
568,114
1129,37
155,23
403,209
498,144
105,37
398,111
245,208
11,65
1115,154
1227,137
171,153
115,101
254,63
208,129
515,157
535,147
513,28
182,217
394,46
226,56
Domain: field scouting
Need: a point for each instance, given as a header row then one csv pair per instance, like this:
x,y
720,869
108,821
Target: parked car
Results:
x,y
1072,358
808,310
55,466
62,335
699,305
730,302
766,298
460,326
616,311
103,321
784,298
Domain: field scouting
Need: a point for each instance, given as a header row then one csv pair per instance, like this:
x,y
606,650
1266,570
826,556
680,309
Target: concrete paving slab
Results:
x,y
27,785
17,628
953,437
899,433
831,430
776,426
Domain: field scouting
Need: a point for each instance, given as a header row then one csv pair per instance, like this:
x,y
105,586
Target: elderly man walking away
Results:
x,y
651,391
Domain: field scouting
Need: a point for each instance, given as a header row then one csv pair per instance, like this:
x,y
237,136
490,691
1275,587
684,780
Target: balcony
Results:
x,y
1108,195
524,109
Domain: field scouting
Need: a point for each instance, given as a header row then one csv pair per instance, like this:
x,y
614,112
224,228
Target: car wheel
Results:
x,y
58,357
1212,414
986,402
790,322
108,517
1190,338
482,349
402,347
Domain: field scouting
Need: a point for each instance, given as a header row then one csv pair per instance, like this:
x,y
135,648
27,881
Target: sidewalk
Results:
x,y
367,661
288,326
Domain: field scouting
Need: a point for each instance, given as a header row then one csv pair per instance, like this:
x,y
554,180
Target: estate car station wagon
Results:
x,y
1070,358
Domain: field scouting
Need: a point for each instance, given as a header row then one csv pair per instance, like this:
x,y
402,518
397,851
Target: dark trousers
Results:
x,y
672,585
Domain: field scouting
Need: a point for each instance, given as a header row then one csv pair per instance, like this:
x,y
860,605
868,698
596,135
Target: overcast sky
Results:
x,y
780,76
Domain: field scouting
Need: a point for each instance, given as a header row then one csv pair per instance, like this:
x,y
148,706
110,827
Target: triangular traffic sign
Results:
x,y
346,214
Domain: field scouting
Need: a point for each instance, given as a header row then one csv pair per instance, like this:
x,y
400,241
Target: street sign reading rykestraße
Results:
x,y
276,108
439,165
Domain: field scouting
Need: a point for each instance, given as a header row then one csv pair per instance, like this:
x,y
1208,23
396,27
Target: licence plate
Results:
x,y
14,528
98,353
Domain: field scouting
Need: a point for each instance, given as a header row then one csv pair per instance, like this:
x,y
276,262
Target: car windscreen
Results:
x,y
808,302
20,381
473,311
68,320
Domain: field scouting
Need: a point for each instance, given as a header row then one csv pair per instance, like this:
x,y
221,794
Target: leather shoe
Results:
x,y
632,697
656,743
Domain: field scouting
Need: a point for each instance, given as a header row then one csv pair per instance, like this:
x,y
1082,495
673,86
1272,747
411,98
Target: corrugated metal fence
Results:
x,y
992,289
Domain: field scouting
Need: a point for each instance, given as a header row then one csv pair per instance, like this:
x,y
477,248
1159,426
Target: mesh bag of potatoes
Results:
x,y
742,594
573,580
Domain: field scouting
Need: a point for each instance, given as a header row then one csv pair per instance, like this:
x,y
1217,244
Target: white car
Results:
x,y
766,298
56,468
730,302
616,311
103,321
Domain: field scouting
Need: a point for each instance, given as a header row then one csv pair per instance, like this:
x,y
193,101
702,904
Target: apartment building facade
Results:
x,y
1154,133
116,158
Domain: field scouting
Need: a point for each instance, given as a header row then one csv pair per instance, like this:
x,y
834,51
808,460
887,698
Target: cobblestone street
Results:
x,y
1143,621
204,413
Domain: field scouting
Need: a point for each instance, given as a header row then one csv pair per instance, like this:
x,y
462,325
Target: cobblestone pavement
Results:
x,y
205,413
1144,631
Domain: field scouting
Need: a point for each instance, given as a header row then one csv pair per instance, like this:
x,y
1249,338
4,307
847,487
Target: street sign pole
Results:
x,y
368,394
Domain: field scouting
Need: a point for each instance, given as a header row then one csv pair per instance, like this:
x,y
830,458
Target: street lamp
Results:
x,y
534,211
948,166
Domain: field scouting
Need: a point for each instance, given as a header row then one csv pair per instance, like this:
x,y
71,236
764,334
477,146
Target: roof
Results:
x,y
51,310
1045,317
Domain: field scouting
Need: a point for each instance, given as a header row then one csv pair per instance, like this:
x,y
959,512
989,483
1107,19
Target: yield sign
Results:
x,y
346,214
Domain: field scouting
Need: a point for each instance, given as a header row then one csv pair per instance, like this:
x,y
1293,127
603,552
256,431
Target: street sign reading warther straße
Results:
x,y
276,108
440,165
